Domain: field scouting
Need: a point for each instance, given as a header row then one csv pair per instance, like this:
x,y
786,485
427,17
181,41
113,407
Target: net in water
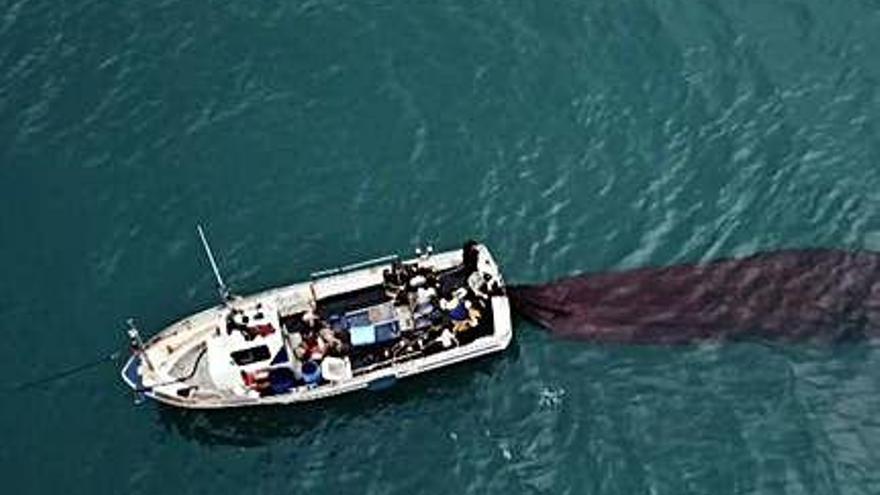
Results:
x,y
794,295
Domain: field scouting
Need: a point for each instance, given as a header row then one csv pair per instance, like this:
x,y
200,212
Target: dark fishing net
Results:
x,y
806,295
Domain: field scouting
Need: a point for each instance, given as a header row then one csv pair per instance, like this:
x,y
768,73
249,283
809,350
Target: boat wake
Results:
x,y
798,295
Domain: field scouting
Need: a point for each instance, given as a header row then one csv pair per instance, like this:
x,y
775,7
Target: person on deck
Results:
x,y
462,313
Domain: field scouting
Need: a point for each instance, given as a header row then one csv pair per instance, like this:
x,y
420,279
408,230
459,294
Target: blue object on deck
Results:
x,y
311,372
281,357
387,331
459,313
281,380
359,319
362,335
374,334
338,323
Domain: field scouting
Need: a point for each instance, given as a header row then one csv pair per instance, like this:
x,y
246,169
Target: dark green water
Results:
x,y
568,135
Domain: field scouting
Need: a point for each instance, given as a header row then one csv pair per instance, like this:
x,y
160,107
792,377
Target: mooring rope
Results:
x,y
75,370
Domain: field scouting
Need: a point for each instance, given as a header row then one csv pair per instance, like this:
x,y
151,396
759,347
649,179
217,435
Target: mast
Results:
x,y
221,286
136,343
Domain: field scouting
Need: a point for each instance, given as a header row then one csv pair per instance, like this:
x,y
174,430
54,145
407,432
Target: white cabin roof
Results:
x,y
223,369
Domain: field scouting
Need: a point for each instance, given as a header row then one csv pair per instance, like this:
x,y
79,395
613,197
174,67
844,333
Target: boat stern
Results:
x,y
503,331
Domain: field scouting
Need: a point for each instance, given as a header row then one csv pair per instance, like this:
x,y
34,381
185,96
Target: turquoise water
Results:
x,y
568,135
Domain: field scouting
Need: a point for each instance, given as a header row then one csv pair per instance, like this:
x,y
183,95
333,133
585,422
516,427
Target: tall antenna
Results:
x,y
221,286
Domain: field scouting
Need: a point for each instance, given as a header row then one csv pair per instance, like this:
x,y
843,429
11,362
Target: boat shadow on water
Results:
x,y
257,426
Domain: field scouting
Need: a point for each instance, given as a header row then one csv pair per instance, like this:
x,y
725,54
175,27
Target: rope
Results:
x,y
54,377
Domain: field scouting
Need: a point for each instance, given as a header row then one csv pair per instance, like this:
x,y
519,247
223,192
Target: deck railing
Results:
x,y
355,266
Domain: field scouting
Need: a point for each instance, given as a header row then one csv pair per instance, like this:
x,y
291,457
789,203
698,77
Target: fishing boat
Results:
x,y
362,326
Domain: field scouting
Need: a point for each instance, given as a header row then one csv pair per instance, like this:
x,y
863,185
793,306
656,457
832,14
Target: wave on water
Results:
x,y
796,295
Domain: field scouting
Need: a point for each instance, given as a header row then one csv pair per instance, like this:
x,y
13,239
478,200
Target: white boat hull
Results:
x,y
156,372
